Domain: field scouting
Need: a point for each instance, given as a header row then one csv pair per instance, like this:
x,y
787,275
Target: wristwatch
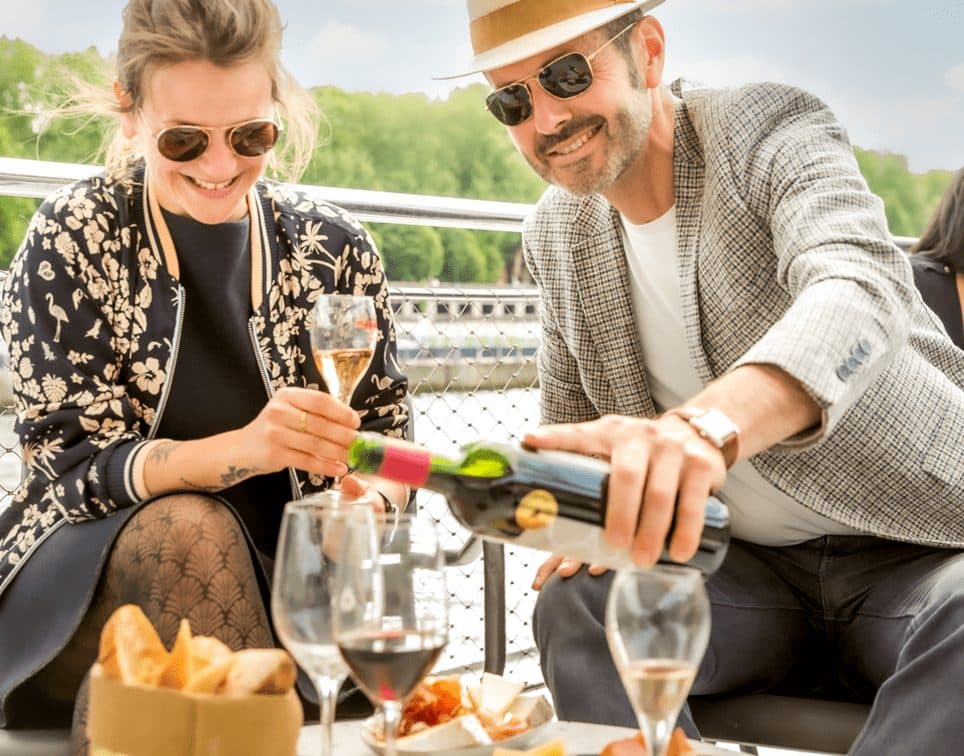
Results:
x,y
716,428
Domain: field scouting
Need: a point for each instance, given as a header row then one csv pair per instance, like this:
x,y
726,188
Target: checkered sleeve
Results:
x,y
851,286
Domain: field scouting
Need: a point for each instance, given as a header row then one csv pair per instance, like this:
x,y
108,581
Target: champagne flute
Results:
x,y
344,331
390,608
657,625
304,572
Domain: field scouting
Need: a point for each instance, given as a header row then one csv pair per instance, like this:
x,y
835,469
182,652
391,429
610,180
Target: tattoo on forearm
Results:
x,y
233,475
237,474
195,486
162,452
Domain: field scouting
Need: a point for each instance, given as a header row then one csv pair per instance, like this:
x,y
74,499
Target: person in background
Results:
x,y
938,260
167,401
724,310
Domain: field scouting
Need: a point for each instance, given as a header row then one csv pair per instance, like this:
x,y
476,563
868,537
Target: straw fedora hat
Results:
x,y
507,31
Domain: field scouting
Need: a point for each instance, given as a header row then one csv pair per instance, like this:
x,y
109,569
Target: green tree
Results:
x,y
410,253
464,258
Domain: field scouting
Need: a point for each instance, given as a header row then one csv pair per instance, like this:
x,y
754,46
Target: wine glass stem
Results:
x,y
392,713
658,733
327,689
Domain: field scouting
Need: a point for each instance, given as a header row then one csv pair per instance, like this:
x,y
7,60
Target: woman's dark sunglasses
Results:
x,y
184,143
567,76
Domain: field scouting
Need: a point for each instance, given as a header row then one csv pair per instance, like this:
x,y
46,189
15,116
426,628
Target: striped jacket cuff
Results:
x,y
125,473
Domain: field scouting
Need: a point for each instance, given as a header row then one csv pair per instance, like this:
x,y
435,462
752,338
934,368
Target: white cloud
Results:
x,y
741,6
22,19
728,72
954,77
343,46
915,126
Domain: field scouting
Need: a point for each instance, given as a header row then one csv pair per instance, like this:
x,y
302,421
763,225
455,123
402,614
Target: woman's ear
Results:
x,y
125,106
654,41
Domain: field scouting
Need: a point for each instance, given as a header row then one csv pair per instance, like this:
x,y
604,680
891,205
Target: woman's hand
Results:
x,y
565,568
302,428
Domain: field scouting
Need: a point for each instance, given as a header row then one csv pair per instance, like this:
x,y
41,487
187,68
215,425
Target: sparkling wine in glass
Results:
x,y
657,625
390,609
344,331
305,571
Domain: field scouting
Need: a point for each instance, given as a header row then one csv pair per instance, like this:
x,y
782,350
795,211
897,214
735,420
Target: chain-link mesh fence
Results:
x,y
470,358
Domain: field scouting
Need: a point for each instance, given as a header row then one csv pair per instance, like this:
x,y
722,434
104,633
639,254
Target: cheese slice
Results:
x,y
474,693
497,694
456,733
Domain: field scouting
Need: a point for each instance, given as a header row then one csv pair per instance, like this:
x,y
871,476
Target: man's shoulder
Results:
x,y
743,113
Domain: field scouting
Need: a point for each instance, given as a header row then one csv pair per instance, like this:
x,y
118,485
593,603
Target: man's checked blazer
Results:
x,y
784,258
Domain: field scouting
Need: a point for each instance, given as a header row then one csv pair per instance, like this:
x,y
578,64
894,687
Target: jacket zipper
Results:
x,y
266,379
175,348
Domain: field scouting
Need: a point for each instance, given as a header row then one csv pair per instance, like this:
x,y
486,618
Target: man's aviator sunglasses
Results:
x,y
184,143
565,77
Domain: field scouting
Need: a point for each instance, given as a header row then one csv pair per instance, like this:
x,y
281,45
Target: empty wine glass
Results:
x,y
305,570
657,625
344,331
390,608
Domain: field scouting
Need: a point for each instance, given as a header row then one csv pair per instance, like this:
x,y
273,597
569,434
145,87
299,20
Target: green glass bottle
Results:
x,y
547,500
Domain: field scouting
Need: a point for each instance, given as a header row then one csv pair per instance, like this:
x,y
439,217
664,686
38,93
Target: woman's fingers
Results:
x,y
321,405
564,567
545,571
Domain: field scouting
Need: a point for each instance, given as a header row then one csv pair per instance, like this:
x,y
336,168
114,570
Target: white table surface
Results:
x,y
579,738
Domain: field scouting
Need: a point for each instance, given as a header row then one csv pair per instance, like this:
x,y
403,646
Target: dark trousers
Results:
x,y
845,617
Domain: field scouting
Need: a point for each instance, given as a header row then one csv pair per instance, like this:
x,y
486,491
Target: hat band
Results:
x,y
520,18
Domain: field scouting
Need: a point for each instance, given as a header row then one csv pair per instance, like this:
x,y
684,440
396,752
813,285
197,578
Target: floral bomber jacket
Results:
x,y
91,313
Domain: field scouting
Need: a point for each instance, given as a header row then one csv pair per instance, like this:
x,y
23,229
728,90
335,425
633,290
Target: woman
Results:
x,y
167,402
938,261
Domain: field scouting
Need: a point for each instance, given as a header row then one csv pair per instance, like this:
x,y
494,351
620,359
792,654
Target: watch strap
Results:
x,y
729,446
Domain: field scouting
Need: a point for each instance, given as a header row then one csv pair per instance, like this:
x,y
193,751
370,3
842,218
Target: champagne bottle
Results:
x,y
548,500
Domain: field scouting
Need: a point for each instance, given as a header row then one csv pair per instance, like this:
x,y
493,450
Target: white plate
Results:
x,y
539,719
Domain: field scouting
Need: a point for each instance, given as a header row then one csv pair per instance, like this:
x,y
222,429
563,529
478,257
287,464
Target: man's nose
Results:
x,y
549,113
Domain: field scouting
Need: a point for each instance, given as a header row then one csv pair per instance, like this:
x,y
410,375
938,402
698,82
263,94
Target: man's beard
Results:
x,y
624,144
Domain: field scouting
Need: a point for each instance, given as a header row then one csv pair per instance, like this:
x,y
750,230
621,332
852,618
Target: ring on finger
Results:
x,y
303,422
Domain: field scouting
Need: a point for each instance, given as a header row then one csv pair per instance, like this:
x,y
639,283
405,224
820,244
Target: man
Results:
x,y
724,310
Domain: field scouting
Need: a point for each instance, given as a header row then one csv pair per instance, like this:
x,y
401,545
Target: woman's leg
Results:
x,y
183,555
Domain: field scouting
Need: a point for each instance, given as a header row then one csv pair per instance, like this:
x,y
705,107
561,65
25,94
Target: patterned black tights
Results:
x,y
181,556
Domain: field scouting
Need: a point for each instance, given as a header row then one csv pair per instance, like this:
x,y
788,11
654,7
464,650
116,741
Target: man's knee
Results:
x,y
577,603
942,616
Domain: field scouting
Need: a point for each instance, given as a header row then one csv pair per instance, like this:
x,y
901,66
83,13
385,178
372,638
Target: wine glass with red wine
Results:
x,y
305,569
344,331
390,608
657,625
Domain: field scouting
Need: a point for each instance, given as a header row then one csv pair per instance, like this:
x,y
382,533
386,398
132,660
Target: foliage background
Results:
x,y
400,143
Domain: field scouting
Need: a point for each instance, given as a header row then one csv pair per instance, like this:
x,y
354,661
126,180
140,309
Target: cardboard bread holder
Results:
x,y
136,720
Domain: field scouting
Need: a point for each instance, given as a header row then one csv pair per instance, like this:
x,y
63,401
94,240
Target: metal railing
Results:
x,y
38,178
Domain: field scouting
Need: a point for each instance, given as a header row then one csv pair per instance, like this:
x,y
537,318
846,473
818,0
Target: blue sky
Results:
x,y
893,71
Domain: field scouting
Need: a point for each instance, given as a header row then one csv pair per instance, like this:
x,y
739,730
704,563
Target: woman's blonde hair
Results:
x,y
224,32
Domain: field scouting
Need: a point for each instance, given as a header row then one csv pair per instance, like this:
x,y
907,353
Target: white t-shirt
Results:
x,y
759,512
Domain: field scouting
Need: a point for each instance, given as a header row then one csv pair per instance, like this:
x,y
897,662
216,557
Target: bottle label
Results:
x,y
405,464
536,510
